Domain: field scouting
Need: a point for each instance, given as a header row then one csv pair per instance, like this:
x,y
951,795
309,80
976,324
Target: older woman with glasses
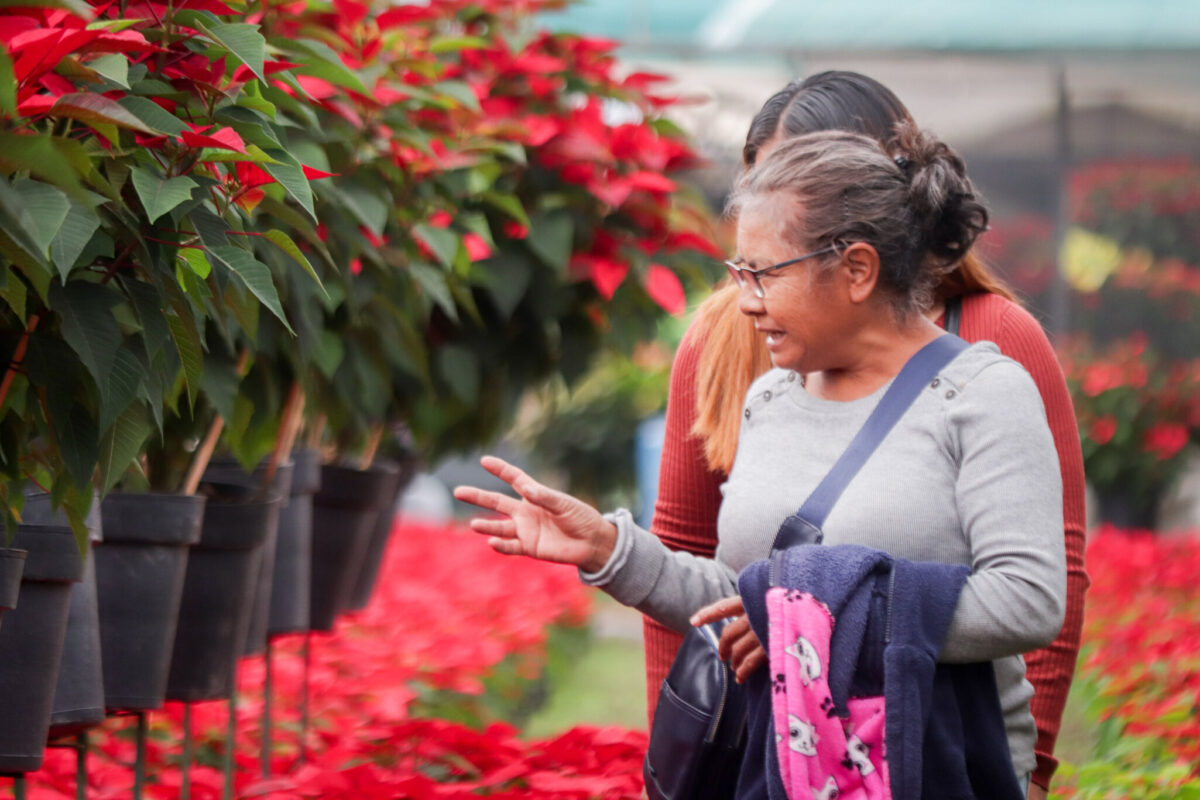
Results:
x,y
968,476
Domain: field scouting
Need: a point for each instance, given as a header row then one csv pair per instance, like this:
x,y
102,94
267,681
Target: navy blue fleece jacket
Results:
x,y
945,733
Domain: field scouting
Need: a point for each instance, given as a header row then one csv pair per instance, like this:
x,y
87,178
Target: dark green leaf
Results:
x,y
150,314
209,227
46,207
187,341
329,353
287,245
291,177
96,109
76,231
506,276
459,368
433,282
550,238
43,157
121,445
153,115
370,208
242,40
510,204
254,274
77,439
119,387
17,239
88,324
13,291
160,194
221,385
442,241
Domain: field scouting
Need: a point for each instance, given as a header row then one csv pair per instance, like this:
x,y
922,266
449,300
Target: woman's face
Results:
x,y
802,314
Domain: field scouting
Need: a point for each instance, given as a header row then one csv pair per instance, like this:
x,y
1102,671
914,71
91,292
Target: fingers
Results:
x,y
731,635
493,501
723,608
501,528
754,660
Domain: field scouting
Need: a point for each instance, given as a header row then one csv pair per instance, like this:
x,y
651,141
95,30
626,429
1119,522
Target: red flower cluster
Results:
x,y
446,612
1142,634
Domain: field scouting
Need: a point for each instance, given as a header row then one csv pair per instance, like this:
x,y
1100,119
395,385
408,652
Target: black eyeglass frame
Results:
x,y
739,273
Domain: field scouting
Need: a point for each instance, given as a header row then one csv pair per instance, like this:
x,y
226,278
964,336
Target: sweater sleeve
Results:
x,y
1049,669
1009,498
685,512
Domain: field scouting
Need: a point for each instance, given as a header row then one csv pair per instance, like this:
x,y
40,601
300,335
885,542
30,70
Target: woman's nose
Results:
x,y
749,302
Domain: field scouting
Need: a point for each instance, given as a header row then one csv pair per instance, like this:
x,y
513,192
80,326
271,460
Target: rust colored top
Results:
x,y
685,513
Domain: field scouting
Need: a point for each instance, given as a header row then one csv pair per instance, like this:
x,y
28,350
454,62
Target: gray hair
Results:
x,y
912,201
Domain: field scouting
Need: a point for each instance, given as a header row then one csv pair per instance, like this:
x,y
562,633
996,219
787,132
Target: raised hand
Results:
x,y
544,523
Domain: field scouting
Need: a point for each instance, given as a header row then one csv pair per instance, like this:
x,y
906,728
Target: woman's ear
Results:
x,y
860,266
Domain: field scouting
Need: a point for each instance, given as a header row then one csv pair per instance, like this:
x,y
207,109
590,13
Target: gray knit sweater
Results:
x,y
968,476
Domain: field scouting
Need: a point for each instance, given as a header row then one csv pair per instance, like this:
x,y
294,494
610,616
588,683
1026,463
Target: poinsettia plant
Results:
x,y
1137,415
404,214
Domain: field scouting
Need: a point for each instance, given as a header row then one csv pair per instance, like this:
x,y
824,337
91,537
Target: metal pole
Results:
x,y
265,739
139,767
304,698
230,739
81,776
19,787
185,786
1060,292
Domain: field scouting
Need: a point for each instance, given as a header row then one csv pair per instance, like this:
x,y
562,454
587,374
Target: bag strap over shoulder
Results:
x,y
804,526
953,315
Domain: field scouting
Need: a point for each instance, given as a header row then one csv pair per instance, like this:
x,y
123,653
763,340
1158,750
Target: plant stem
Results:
x,y
18,357
205,451
373,442
289,424
316,432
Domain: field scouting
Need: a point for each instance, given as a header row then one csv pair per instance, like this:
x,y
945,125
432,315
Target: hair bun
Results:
x,y
941,195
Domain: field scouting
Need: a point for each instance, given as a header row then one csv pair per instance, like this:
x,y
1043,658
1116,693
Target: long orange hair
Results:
x,y
732,355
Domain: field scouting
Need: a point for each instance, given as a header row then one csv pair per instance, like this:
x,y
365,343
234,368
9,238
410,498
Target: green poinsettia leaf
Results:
x,y
113,66
153,115
119,388
290,175
80,224
121,445
88,324
242,40
96,109
158,193
287,245
255,275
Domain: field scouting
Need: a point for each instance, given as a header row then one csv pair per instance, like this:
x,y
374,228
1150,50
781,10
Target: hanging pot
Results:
x,y
31,643
218,591
344,513
231,472
1126,510
12,564
364,584
290,590
139,581
79,693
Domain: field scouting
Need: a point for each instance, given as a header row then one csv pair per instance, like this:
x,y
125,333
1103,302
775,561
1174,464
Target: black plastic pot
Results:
x,y
79,693
281,484
290,590
12,564
140,568
218,592
368,574
31,643
344,514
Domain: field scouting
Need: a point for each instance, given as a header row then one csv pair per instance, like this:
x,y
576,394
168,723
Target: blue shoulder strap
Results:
x,y
805,525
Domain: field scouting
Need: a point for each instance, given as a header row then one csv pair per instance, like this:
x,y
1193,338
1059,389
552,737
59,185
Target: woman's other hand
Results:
x,y
543,523
739,645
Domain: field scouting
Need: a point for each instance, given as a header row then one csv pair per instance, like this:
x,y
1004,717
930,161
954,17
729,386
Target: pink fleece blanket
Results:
x,y
821,755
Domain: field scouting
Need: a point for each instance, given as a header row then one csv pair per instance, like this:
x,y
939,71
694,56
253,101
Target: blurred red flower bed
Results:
x,y
1142,635
446,612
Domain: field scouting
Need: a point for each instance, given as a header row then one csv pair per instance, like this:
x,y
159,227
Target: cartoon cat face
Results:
x,y
802,737
827,792
810,663
858,756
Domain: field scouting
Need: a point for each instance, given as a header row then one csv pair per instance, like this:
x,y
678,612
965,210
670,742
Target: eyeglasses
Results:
x,y
742,275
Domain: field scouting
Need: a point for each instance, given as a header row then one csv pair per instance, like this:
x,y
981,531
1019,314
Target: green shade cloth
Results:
x,y
932,25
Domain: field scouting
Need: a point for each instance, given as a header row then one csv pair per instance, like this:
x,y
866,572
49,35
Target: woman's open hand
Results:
x,y
544,523
739,644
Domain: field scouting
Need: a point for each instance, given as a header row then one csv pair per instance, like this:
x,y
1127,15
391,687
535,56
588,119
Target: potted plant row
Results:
x,y
242,228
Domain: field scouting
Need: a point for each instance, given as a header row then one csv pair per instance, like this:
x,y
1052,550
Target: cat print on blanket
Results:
x,y
810,662
828,792
802,737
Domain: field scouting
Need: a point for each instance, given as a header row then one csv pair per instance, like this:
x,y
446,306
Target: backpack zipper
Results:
x,y
720,709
